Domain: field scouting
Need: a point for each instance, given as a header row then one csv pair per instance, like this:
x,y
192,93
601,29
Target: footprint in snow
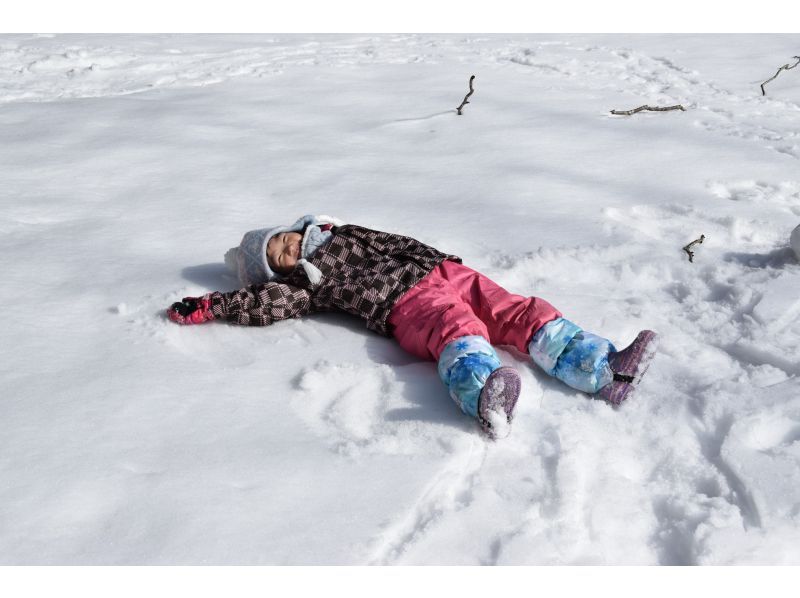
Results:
x,y
785,195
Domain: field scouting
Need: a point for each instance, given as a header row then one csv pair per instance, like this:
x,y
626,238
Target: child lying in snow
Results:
x,y
434,306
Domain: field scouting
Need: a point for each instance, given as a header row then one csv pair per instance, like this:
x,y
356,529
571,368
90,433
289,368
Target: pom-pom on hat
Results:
x,y
251,255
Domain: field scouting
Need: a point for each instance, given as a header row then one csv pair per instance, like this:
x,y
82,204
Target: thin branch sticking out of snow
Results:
x,y
646,107
466,97
687,248
785,67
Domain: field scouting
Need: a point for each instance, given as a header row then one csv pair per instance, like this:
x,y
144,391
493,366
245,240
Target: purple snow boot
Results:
x,y
629,365
497,402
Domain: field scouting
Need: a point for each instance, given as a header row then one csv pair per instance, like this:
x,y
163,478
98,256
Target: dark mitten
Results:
x,y
191,310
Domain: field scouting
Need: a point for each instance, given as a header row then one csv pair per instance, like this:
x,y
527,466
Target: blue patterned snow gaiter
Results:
x,y
574,356
464,366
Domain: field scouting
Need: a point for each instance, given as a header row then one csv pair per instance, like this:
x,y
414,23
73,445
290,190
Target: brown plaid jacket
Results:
x,y
364,272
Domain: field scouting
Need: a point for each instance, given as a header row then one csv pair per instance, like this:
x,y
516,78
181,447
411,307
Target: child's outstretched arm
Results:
x,y
256,305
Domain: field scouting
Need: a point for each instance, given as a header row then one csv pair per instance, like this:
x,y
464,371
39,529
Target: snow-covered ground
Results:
x,y
130,164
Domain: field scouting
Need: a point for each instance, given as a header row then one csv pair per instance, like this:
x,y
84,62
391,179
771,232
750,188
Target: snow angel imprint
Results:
x,y
433,305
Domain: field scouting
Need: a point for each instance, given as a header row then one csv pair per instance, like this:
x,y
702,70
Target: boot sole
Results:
x,y
618,392
647,344
648,354
499,394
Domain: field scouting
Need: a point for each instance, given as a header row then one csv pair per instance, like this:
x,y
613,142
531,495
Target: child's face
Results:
x,y
283,251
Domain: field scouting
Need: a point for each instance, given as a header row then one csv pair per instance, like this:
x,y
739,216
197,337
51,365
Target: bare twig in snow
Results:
x,y
688,250
466,97
785,67
646,107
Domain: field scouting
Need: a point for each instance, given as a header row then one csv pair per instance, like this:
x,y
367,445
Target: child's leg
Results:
x,y
433,322
574,356
532,325
510,319
430,316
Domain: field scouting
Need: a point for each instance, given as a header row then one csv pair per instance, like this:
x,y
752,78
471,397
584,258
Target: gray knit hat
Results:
x,y
251,255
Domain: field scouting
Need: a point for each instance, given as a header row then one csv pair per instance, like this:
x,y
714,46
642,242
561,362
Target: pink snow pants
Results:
x,y
454,301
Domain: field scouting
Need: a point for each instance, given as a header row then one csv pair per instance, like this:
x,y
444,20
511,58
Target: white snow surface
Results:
x,y
130,164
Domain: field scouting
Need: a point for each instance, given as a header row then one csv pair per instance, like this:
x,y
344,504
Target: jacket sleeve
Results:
x,y
261,304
